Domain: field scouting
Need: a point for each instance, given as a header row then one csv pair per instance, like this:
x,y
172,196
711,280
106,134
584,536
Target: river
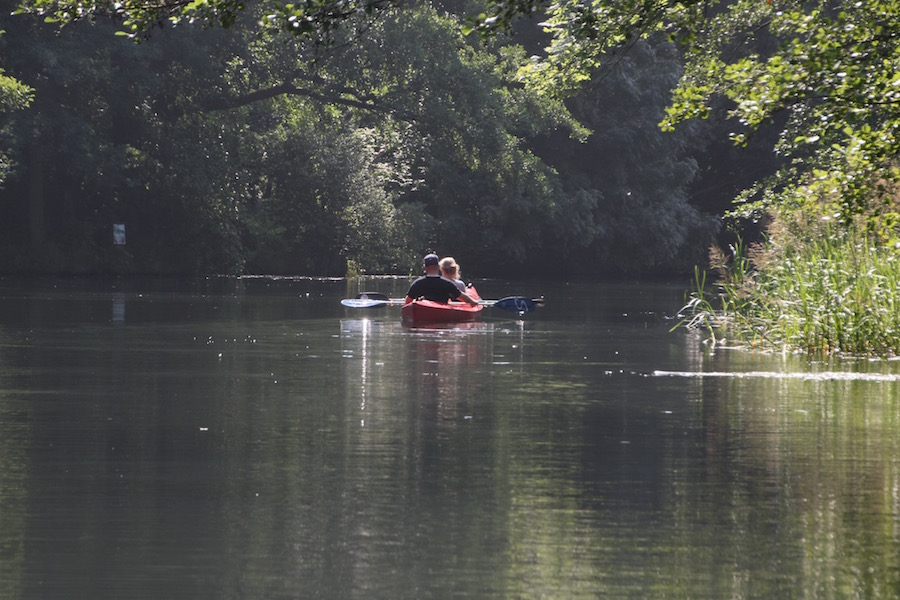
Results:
x,y
253,438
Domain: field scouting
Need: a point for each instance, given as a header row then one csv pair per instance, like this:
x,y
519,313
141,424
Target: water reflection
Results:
x,y
118,310
257,443
425,424
798,460
436,362
14,436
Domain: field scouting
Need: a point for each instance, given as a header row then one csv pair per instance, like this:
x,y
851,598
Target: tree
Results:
x,y
223,154
832,73
433,143
638,174
829,81
14,95
101,144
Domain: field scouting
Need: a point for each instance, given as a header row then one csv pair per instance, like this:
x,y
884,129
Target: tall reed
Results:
x,y
835,292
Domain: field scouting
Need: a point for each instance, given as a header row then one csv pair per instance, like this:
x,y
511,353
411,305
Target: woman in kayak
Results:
x,y
433,287
450,270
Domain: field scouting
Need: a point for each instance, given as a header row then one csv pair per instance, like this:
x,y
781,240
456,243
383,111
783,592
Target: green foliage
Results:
x,y
14,95
324,202
834,292
310,19
715,310
823,72
301,182
584,36
226,151
107,142
637,177
832,74
460,134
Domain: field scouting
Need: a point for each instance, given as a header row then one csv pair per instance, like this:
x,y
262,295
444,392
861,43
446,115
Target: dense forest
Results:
x,y
222,151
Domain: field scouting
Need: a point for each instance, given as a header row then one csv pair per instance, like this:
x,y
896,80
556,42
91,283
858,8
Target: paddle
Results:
x,y
518,304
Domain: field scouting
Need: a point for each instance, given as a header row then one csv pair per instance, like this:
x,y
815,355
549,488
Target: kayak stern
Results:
x,y
427,311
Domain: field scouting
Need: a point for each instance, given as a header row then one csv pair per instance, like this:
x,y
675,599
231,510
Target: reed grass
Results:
x,y
835,292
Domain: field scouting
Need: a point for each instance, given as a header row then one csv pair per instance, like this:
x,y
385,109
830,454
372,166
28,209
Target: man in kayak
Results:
x,y
433,287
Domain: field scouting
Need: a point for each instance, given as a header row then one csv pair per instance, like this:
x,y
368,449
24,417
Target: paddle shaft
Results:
x,y
519,304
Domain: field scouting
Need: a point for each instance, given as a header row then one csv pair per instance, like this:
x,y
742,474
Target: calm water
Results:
x,y
254,439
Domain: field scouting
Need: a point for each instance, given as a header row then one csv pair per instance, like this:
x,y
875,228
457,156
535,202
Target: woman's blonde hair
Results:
x,y
448,264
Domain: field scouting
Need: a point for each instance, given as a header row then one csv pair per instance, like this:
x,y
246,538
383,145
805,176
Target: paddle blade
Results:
x,y
519,304
363,303
373,296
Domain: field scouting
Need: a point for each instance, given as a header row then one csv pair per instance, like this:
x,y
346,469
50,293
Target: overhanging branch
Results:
x,y
322,92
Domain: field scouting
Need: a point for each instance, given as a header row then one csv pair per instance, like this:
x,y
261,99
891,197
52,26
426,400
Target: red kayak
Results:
x,y
426,311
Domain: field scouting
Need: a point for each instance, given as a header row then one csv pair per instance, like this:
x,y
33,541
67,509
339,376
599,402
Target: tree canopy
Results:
x,y
317,20
14,95
229,151
824,71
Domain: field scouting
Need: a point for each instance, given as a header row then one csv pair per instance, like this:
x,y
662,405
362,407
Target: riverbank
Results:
x,y
833,292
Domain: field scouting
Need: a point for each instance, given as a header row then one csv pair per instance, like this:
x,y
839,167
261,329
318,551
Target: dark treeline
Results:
x,y
221,154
